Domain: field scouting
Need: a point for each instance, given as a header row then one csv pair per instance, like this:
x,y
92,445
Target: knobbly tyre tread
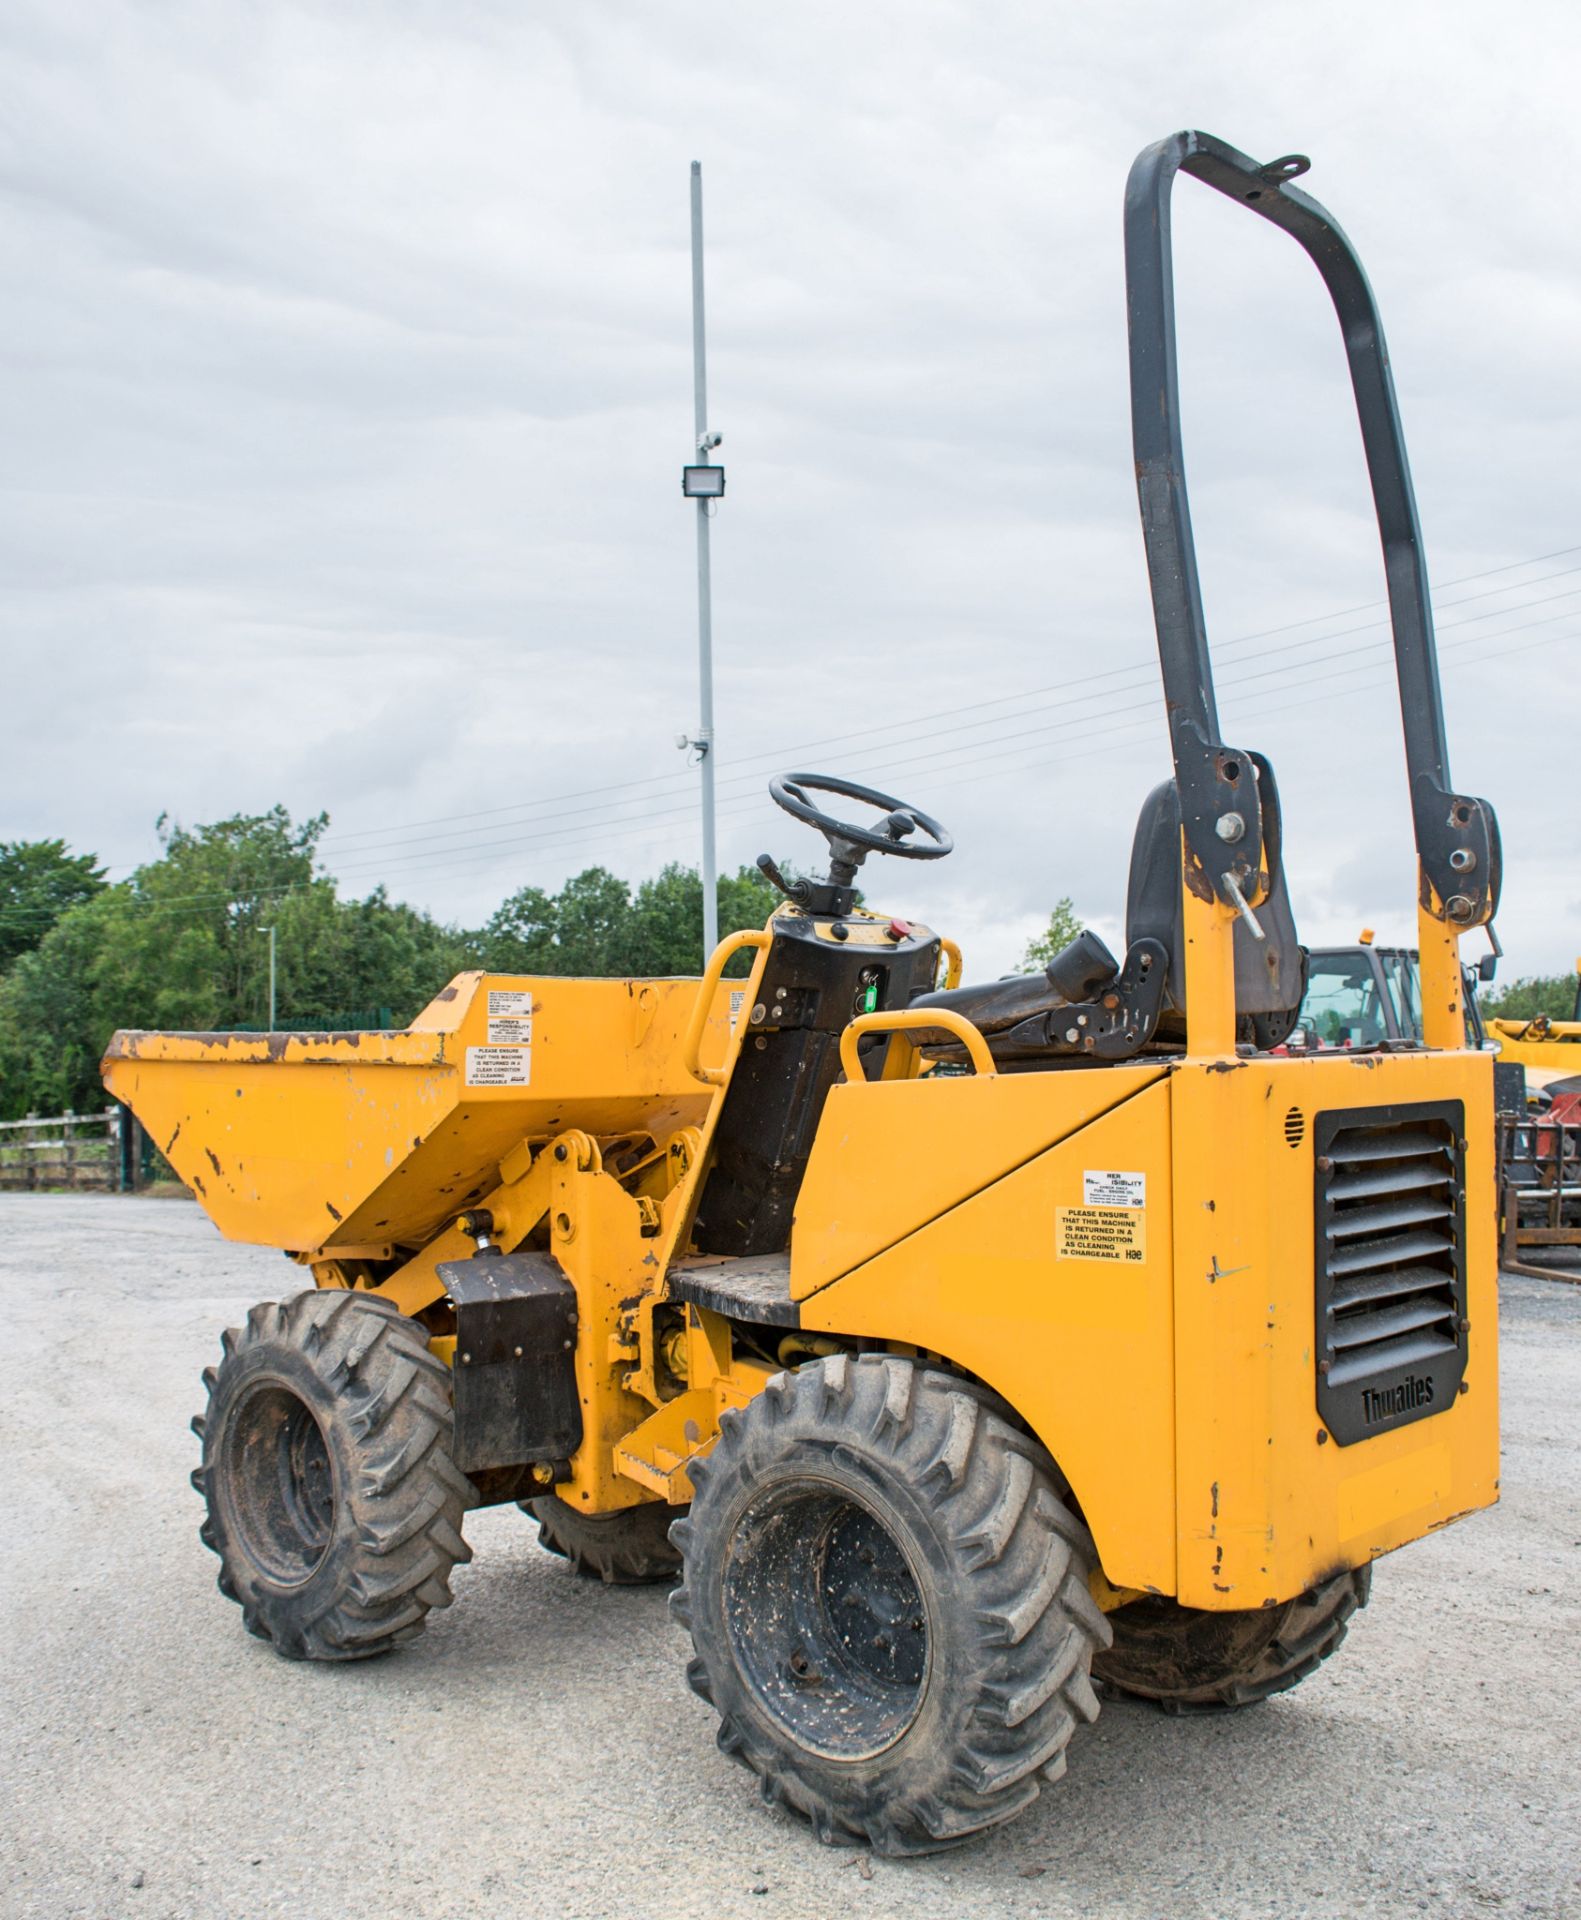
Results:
x,y
1184,1660
383,1403
626,1549
1008,1589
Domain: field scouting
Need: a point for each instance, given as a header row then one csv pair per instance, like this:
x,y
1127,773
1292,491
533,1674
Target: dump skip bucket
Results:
x,y
373,1140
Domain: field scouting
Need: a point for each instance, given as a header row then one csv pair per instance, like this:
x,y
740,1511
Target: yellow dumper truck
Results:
x,y
955,1346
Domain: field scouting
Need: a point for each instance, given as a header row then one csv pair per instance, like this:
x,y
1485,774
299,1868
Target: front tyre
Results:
x,y
333,1503
889,1603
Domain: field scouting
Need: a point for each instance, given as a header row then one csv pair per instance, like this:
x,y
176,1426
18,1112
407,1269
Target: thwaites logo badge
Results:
x,y
1382,1403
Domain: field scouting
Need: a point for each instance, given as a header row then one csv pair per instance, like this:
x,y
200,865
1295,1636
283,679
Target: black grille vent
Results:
x,y
1295,1127
1390,1229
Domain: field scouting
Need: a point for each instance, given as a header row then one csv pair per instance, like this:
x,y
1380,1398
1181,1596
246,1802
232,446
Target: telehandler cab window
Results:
x,y
1344,1006
1399,969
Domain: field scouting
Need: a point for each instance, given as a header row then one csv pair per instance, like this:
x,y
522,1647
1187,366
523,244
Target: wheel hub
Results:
x,y
871,1601
278,1482
827,1619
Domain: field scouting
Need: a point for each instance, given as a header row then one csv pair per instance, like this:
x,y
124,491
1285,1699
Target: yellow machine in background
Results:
x,y
1549,1050
956,1345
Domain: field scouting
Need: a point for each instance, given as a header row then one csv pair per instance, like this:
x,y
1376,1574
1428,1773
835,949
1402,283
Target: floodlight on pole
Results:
x,y
703,482
271,933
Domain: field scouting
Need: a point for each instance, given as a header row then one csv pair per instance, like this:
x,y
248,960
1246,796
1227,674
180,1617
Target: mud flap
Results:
x,y
514,1376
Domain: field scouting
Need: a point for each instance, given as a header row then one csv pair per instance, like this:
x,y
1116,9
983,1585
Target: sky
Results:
x,y
346,380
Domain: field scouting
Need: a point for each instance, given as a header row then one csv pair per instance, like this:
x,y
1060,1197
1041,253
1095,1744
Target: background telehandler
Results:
x,y
1371,996
1549,1050
955,1345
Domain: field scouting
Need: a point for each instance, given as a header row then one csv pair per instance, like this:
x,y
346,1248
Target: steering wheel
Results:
x,y
848,843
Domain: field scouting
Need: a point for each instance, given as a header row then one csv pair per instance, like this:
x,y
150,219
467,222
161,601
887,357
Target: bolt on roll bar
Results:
x,y
1457,836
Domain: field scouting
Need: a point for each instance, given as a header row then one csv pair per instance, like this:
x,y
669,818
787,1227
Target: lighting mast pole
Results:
x,y
703,482
271,933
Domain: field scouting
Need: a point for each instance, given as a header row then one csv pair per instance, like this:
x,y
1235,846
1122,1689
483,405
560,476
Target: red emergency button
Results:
x,y
899,929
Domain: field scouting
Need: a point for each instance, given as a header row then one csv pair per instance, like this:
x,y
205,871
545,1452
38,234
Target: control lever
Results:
x,y
796,891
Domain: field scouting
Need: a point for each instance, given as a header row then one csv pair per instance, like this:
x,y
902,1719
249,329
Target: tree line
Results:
x,y
181,943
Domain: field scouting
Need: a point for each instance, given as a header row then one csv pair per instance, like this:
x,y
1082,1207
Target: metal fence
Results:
x,y
1540,1194
105,1152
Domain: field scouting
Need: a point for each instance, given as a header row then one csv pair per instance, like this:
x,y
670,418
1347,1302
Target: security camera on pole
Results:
x,y
705,483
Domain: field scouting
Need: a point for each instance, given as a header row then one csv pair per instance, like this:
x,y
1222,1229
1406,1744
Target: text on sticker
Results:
x,y
1100,1233
499,1066
1114,1189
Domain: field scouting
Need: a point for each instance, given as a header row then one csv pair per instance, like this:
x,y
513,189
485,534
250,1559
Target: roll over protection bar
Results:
x,y
1457,835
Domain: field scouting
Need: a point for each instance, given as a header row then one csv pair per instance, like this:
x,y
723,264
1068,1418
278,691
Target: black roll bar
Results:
x,y
1457,837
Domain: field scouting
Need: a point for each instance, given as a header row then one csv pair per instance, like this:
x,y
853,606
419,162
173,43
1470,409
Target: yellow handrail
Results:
x,y
952,964
911,1020
718,960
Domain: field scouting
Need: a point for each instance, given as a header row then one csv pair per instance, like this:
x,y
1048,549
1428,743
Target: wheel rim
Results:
x,y
278,1483
827,1619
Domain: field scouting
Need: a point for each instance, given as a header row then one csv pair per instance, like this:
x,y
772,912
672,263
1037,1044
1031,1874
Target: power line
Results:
x,y
1379,674
621,826
647,822
1148,666
462,841
1378,671
230,894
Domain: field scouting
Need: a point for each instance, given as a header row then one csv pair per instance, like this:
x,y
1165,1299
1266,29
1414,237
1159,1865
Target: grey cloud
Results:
x,y
346,376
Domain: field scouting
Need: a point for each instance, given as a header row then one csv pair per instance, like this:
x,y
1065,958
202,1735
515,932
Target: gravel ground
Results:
x,y
537,1752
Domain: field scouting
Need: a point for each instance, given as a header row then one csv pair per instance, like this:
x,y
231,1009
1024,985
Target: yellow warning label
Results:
x,y
1100,1233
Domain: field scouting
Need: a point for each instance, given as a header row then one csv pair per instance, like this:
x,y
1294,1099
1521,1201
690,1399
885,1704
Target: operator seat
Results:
x,y
1270,974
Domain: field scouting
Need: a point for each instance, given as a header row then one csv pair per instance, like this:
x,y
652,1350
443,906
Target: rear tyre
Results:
x,y
626,1549
889,1603
1190,1661
333,1503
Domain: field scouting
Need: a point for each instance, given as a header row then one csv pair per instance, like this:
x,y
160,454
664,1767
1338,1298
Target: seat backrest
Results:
x,y
1270,975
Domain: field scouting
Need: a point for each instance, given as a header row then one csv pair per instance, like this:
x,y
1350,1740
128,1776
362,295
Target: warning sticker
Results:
x,y
1100,1233
1114,1189
736,999
512,1002
509,1031
499,1066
